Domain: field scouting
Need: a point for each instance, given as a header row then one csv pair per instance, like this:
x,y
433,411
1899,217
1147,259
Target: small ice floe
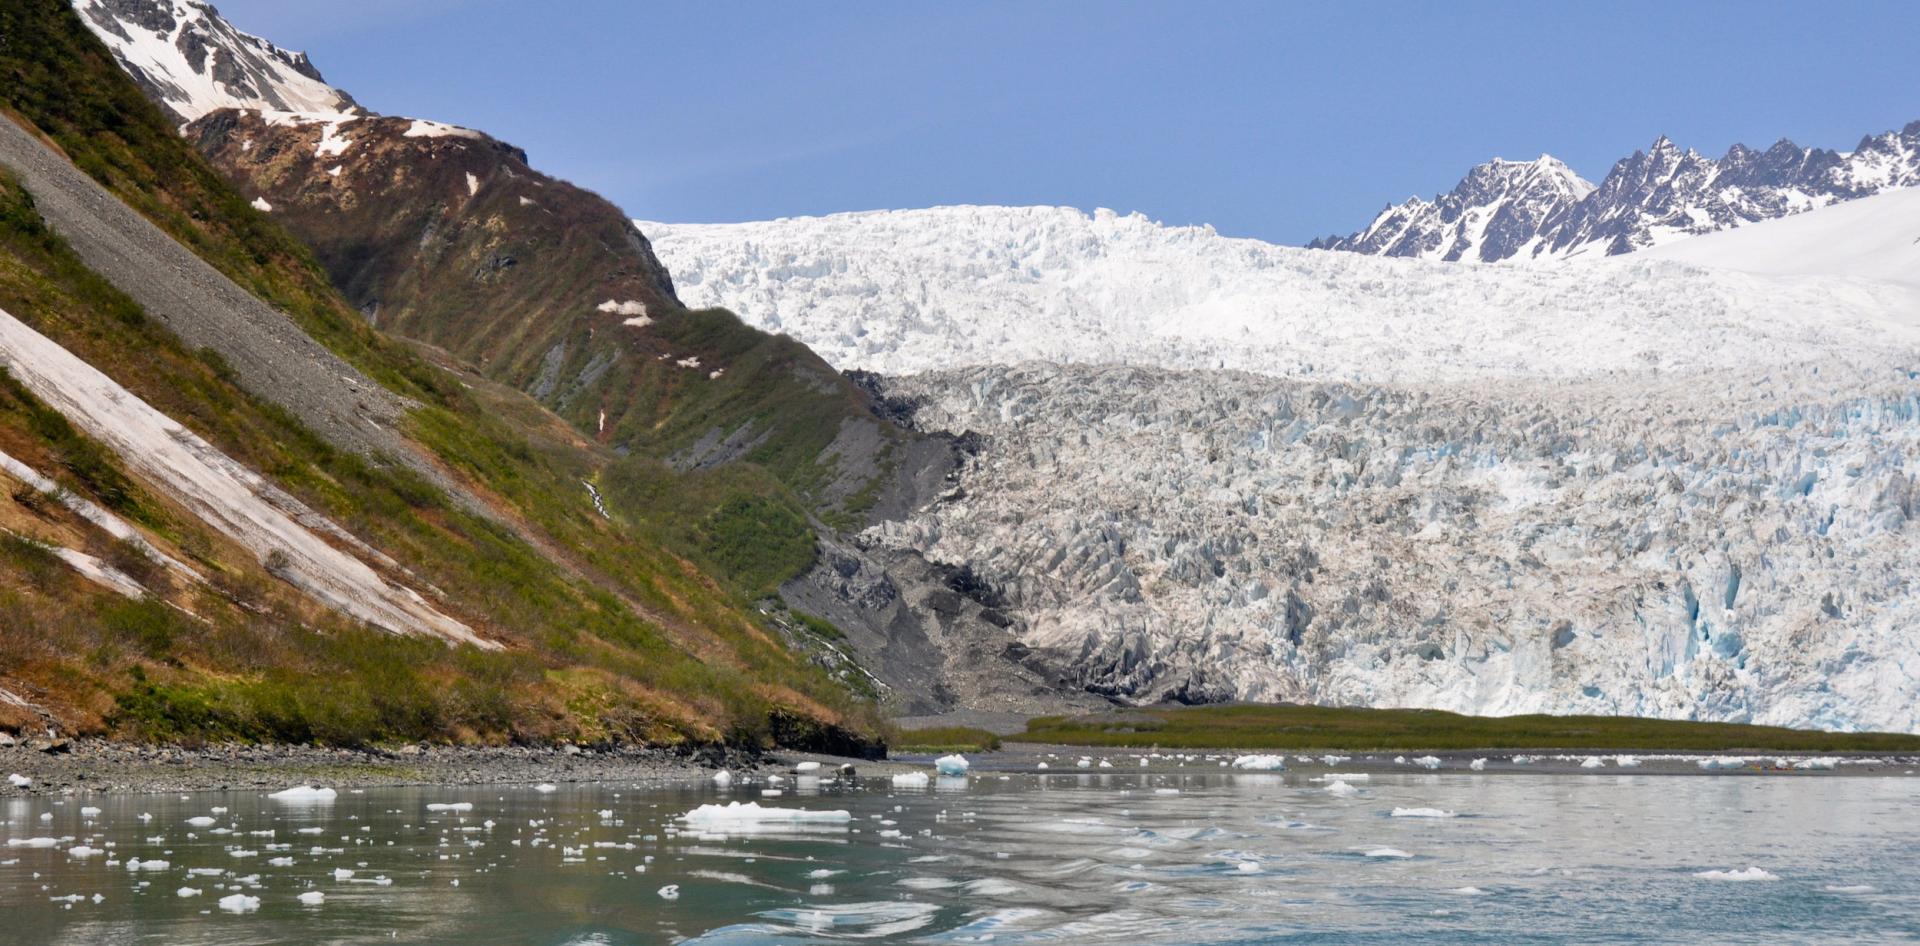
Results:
x,y
1342,789
312,898
723,778
1469,891
1166,791
1850,888
955,764
1478,765
19,781
1523,760
1428,762
1260,763
239,903
734,815
1041,766
1334,759
89,812
451,806
304,794
771,793
1084,763
342,873
823,873
546,788
1750,874
912,780
1592,762
136,864
32,842
1722,762
280,862
82,851
187,892
1627,761
1814,765
803,768
1248,867
200,821
1422,813
670,892
1392,853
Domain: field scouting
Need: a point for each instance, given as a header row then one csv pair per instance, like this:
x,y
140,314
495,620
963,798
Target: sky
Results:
x,y
1282,121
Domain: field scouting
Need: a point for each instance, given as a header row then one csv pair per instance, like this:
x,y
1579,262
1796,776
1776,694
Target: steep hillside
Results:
x,y
177,586
1874,237
1504,210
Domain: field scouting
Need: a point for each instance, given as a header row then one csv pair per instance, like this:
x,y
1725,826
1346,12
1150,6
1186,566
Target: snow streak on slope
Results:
x,y
1736,547
918,290
1874,237
188,56
1497,209
231,498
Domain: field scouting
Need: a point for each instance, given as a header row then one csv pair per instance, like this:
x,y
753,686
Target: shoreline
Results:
x,y
99,767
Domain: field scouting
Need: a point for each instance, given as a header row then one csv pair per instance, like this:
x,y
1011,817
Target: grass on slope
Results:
x,y
1321,727
944,739
611,635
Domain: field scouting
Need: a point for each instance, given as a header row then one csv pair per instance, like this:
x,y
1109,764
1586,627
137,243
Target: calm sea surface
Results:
x,y
1058,857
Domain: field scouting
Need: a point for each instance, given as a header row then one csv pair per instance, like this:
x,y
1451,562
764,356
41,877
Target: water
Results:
x,y
1067,857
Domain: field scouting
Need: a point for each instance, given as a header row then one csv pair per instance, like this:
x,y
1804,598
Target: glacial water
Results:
x,y
1189,856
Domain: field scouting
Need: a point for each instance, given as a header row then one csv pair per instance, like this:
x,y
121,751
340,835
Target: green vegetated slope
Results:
x,y
1244,726
610,634
456,241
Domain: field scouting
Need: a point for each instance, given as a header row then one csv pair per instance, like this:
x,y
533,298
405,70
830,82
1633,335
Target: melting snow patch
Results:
x,y
1750,874
421,128
260,204
19,781
473,184
629,307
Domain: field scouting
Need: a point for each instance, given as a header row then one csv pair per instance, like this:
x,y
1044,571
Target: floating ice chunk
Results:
x,y
187,892
280,862
1423,813
1750,874
1342,789
1166,791
670,892
1478,765
1343,777
955,764
1428,762
911,780
723,778
1722,762
1592,762
747,814
1084,763
1469,891
1627,761
1249,867
804,767
1041,766
32,842
1333,759
239,903
1523,760
83,851
19,781
200,821
304,794
1849,888
312,898
1814,765
342,873
823,873
136,864
1389,852
546,788
451,806
89,812
1260,763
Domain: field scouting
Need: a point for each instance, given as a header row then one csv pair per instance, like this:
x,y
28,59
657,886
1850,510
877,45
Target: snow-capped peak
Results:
x,y
185,55
1488,216
1653,197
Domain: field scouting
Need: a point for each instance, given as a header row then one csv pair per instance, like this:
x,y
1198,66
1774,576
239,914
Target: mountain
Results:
x,y
1493,213
1541,210
235,510
1211,469
743,450
190,60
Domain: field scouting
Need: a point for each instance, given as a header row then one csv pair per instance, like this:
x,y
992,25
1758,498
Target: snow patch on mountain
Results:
x,y
901,292
185,54
1874,237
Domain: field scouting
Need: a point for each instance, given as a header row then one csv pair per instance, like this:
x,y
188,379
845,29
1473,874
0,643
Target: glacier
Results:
x,y
1214,469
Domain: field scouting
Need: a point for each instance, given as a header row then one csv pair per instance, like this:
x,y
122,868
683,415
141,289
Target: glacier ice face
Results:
x,y
1216,469
1727,549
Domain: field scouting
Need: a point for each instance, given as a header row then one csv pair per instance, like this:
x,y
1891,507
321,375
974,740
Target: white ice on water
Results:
x,y
952,765
1260,763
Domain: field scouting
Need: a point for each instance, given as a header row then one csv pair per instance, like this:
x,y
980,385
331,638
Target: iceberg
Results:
x,y
304,794
952,764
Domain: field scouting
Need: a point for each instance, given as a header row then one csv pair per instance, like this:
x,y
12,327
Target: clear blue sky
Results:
x,y
1276,120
